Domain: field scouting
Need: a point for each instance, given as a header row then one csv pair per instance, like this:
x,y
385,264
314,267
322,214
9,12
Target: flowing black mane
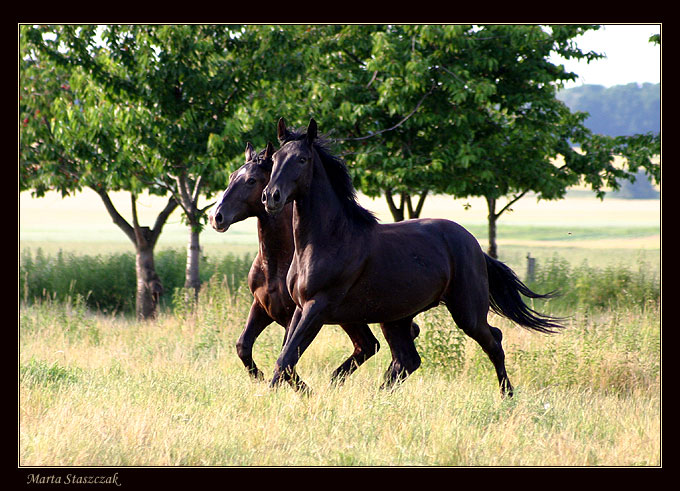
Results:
x,y
338,175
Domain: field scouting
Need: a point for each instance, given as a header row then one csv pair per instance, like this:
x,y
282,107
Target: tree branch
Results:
x,y
183,188
421,202
375,73
197,188
142,239
115,216
354,57
510,203
133,205
434,85
202,210
397,213
162,218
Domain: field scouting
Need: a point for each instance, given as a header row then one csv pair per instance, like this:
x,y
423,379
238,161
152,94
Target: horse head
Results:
x,y
292,166
241,199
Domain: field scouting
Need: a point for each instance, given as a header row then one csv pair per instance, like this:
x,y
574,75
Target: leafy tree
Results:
x,y
189,87
460,110
71,137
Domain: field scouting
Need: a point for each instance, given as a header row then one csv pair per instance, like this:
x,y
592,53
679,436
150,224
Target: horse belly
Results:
x,y
395,286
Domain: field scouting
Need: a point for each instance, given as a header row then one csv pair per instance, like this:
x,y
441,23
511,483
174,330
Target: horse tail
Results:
x,y
504,298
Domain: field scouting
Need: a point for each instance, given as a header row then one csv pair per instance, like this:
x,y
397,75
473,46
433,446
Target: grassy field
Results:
x,y
100,390
110,391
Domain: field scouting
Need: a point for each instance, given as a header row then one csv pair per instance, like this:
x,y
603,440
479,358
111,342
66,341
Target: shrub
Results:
x,y
594,287
108,282
440,343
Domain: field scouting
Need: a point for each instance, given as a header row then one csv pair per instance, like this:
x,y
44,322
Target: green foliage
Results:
x,y
107,282
440,343
591,287
39,372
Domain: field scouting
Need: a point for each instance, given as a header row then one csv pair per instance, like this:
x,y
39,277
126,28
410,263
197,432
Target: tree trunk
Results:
x,y
191,278
188,192
149,287
493,218
415,213
493,247
404,202
397,213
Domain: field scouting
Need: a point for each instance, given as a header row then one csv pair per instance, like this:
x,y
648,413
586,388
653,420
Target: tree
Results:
x,y
187,85
460,110
71,137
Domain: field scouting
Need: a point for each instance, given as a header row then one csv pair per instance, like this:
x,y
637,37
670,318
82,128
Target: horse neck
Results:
x,y
318,216
275,238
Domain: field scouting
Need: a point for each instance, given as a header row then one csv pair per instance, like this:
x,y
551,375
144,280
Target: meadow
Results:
x,y
102,389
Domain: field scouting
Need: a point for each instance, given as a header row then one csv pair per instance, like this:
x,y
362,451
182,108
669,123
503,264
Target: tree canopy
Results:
x,y
463,110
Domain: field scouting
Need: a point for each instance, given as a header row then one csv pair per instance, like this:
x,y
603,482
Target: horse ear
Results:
x,y
250,152
311,131
266,161
269,151
281,131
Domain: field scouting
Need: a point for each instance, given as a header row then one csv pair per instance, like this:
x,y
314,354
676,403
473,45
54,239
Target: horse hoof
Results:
x,y
415,330
256,374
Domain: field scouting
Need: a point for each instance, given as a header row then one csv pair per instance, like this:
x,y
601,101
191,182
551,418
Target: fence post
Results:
x,y
531,267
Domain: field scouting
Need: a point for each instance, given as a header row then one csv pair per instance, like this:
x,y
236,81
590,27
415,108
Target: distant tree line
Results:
x,y
621,110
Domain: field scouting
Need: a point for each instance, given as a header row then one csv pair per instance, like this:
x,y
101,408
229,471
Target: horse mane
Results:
x,y
338,176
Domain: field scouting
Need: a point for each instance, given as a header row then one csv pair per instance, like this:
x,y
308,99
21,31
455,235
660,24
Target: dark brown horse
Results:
x,y
348,268
267,277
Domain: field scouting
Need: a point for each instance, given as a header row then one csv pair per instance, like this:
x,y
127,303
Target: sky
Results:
x,y
630,57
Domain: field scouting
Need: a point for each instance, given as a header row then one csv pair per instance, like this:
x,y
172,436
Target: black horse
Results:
x,y
267,277
348,268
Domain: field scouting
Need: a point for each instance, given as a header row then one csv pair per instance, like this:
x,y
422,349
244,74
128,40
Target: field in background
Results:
x,y
580,226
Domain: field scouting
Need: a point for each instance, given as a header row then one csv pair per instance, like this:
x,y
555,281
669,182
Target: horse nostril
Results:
x,y
277,195
218,218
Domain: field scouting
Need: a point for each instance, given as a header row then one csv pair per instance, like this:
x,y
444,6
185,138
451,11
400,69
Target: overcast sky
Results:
x,y
630,57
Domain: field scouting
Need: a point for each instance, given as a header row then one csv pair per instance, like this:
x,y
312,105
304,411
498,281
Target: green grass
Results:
x,y
561,233
107,283
101,390
98,389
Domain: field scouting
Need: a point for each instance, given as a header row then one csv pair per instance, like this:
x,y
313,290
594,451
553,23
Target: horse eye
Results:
x,y
250,181
303,160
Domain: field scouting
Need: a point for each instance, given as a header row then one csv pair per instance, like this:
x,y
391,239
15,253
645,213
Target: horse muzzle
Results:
x,y
218,222
272,201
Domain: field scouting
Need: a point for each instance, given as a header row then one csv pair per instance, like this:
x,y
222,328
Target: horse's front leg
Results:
x,y
258,319
294,380
304,327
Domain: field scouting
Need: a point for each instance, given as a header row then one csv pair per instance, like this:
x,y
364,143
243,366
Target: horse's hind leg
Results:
x,y
470,315
365,346
405,358
258,319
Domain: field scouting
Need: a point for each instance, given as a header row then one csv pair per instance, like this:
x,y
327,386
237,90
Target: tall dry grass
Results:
x,y
100,390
